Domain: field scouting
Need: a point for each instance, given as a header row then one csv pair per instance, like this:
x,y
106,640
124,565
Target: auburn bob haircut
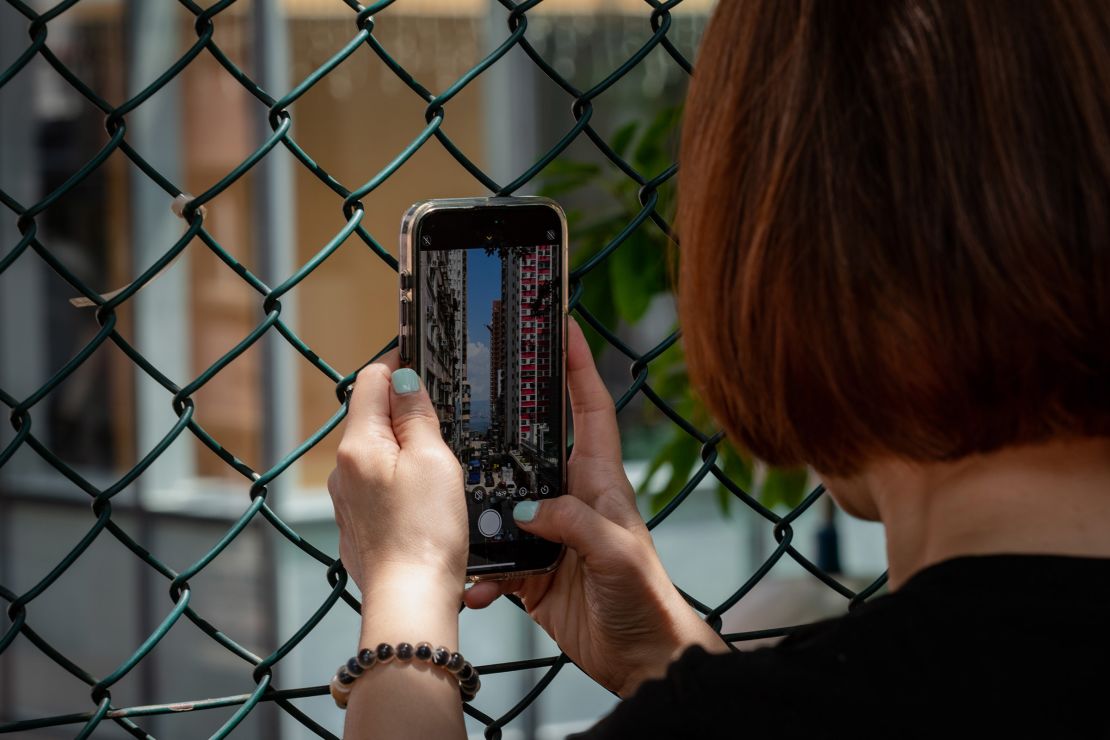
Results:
x,y
895,224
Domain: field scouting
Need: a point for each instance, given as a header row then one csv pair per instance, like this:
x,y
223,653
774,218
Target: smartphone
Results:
x,y
483,311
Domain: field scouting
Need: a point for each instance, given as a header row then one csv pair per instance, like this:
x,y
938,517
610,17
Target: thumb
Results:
x,y
414,419
570,521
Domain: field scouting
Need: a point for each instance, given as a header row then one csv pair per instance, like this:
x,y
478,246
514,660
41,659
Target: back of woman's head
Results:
x,y
895,225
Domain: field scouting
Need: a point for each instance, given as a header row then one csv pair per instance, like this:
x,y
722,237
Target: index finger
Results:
x,y
596,434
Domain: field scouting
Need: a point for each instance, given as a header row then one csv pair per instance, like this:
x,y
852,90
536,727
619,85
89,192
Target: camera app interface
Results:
x,y
491,345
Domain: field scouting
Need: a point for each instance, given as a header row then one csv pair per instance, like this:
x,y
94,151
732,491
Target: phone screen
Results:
x,y
489,345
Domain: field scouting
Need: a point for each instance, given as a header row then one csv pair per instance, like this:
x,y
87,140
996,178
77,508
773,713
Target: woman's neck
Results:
x,y
1044,499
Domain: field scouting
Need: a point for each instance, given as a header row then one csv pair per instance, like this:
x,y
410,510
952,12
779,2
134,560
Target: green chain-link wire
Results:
x,y
657,25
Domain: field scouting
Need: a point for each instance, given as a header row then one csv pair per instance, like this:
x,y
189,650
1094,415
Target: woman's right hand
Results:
x,y
610,605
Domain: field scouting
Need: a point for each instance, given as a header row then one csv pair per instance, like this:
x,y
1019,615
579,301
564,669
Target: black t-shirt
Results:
x,y
1000,646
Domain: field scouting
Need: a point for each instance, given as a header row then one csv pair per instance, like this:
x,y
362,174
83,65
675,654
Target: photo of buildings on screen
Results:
x,y
491,362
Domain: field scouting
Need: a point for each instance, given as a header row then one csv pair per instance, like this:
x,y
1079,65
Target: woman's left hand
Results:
x,y
399,503
397,488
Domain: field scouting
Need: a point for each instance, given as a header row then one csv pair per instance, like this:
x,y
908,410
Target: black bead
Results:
x,y
455,662
344,677
353,667
385,652
441,656
366,657
424,651
466,671
470,682
404,652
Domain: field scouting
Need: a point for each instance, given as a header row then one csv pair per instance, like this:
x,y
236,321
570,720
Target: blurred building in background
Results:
x,y
107,415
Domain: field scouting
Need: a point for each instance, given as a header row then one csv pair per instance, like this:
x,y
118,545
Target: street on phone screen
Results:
x,y
492,361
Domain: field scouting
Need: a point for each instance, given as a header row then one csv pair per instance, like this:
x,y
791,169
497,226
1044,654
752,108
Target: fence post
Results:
x,y
162,314
22,365
275,256
17,169
161,326
509,98
511,145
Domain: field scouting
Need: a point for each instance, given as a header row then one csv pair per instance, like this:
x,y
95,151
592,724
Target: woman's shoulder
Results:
x,y
980,603
762,693
1015,639
1000,573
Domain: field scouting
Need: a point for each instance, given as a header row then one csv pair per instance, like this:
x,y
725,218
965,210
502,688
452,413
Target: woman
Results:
x,y
896,269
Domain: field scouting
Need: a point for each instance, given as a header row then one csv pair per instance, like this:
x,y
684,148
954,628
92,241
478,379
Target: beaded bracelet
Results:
x,y
441,657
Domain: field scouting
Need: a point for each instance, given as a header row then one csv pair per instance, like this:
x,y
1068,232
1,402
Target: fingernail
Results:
x,y
406,380
525,511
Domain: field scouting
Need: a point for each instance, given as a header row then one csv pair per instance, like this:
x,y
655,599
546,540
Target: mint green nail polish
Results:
x,y
526,511
406,380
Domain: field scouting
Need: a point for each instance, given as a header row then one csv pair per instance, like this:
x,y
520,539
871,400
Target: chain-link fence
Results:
x,y
351,199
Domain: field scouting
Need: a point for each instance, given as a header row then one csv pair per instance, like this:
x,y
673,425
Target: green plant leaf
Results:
x,y
669,383
735,465
622,286
724,499
677,447
785,486
598,300
559,186
569,167
662,456
638,273
683,454
589,238
623,137
652,148
562,176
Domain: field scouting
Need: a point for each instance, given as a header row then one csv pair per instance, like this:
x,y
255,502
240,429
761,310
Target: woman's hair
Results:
x,y
895,225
